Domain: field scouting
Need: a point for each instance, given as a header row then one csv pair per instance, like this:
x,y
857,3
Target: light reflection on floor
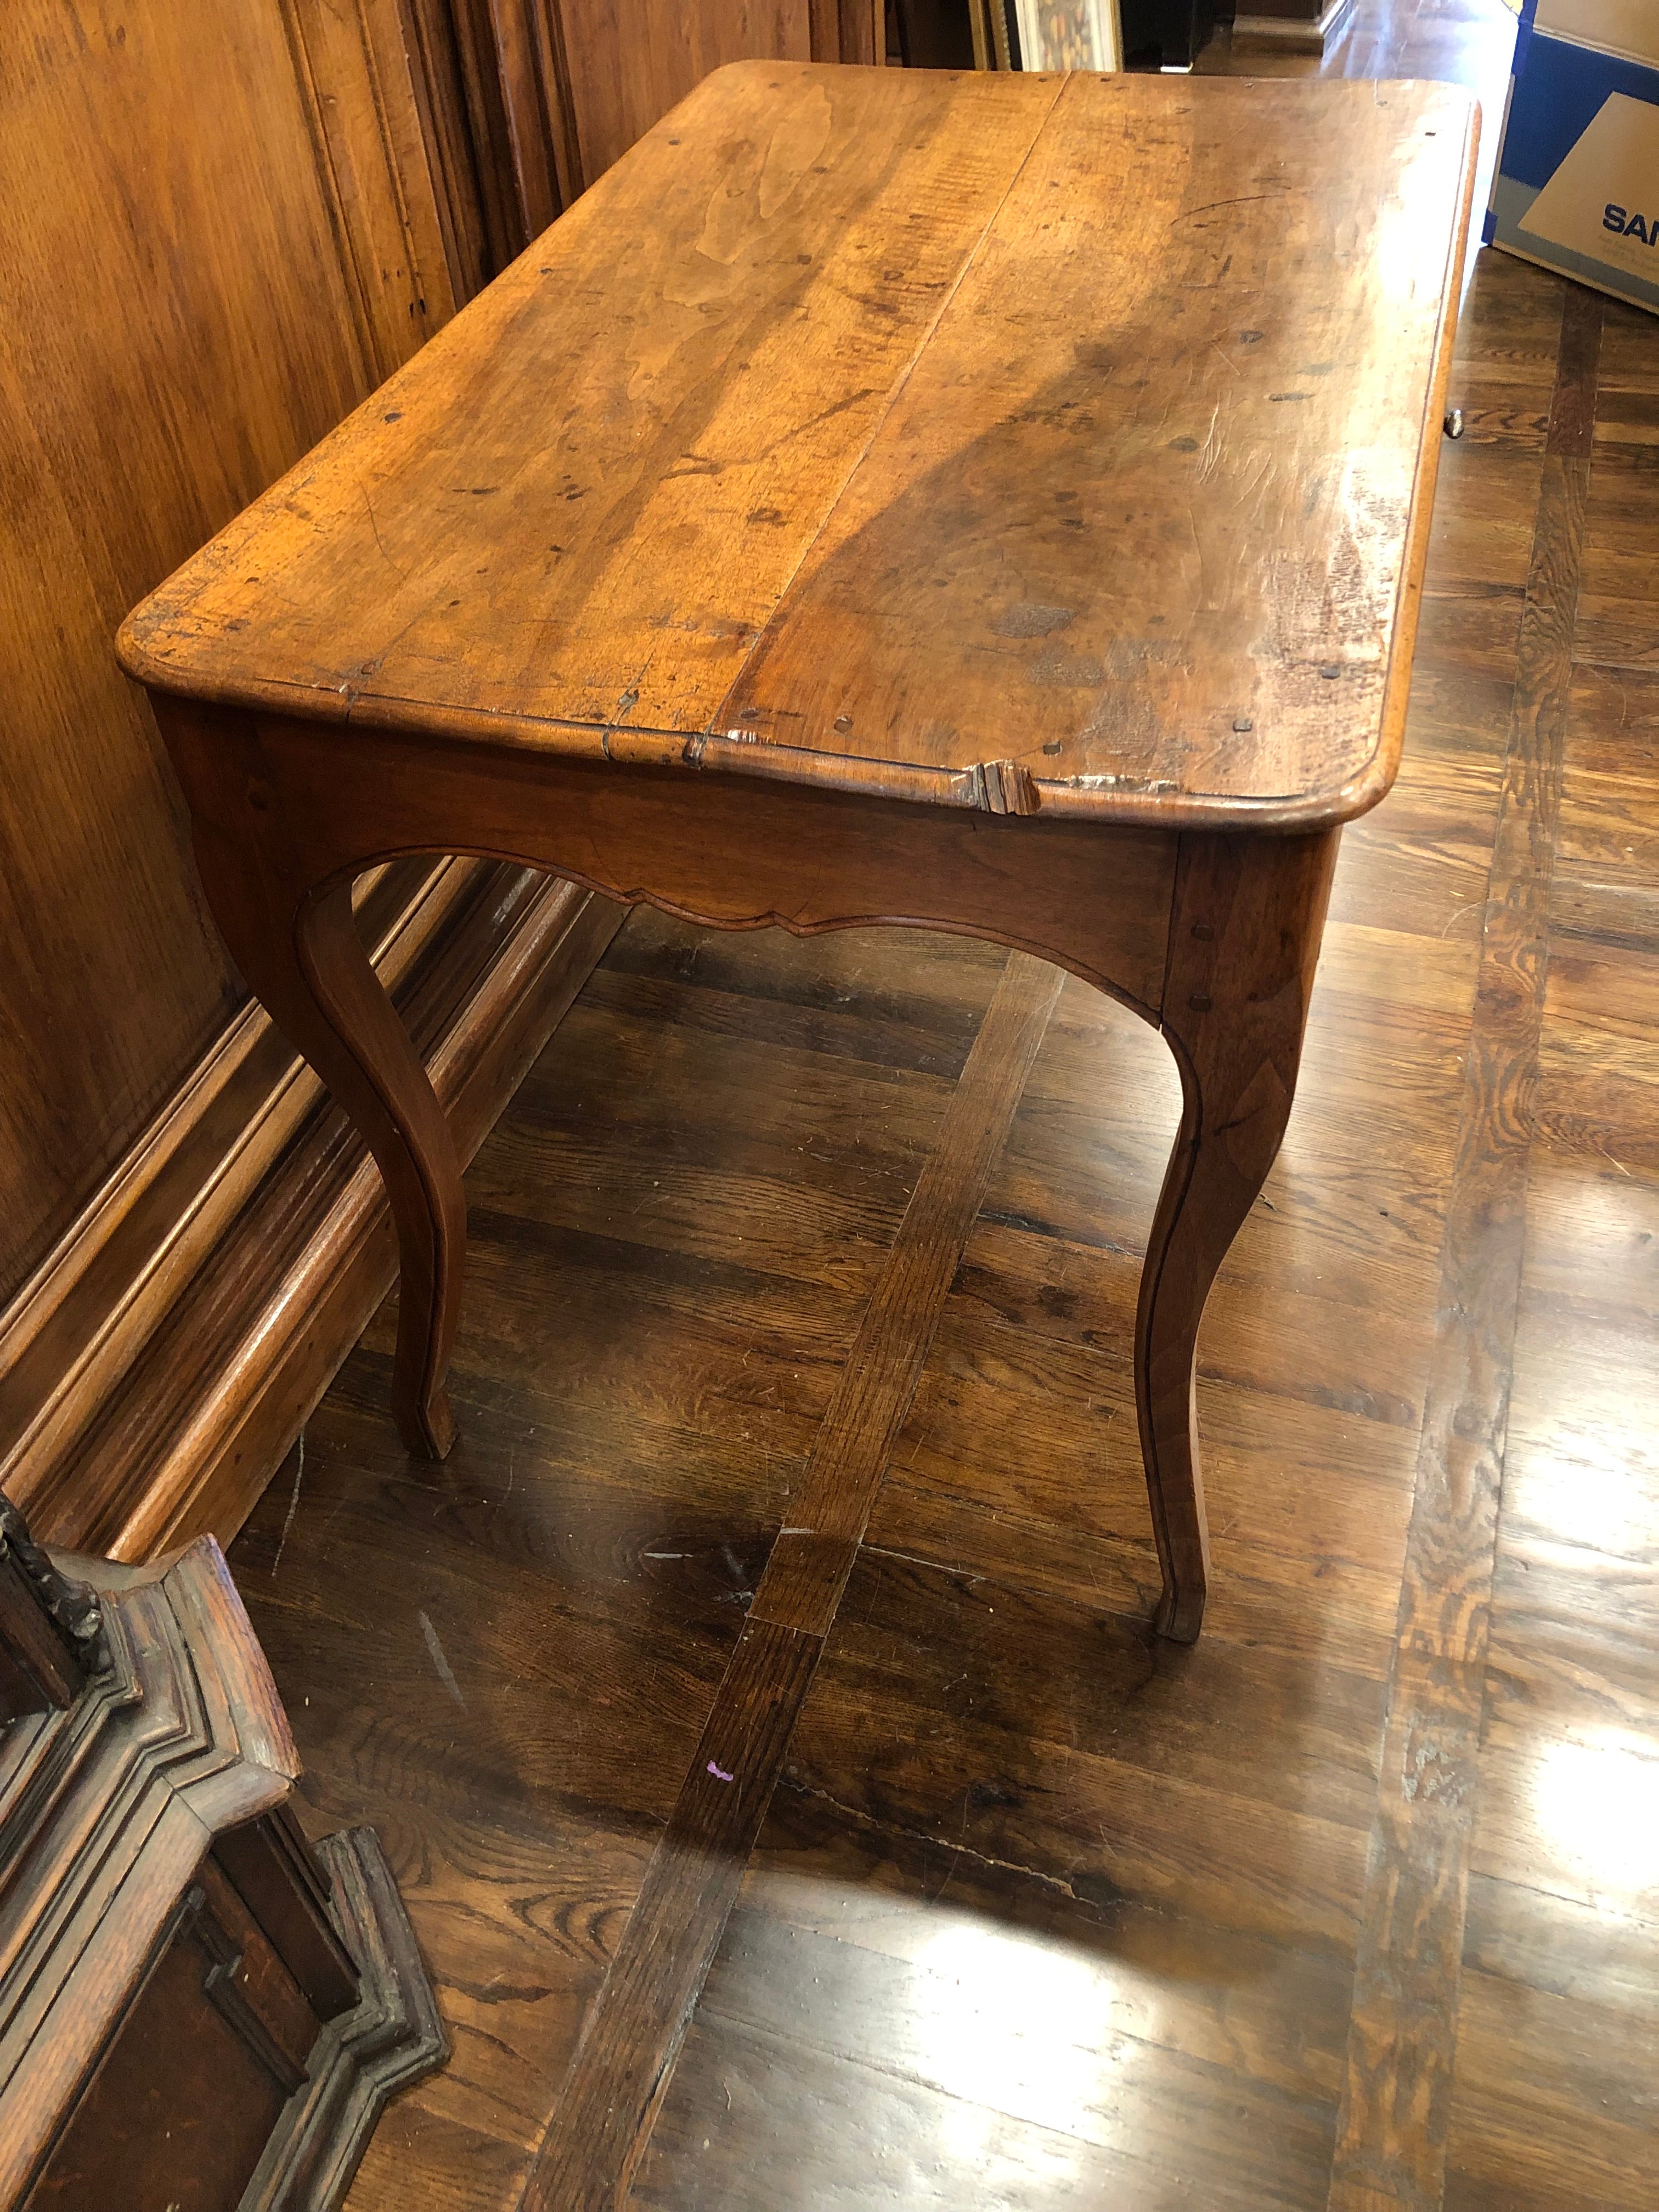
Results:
x,y
1596,1802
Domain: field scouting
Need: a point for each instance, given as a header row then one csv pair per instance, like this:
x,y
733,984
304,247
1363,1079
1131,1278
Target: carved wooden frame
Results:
x,y
146,1769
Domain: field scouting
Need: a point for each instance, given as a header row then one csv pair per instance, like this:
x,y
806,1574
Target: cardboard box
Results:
x,y
1578,181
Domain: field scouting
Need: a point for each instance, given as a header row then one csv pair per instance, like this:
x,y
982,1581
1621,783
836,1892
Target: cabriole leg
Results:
x,y
301,952
1249,912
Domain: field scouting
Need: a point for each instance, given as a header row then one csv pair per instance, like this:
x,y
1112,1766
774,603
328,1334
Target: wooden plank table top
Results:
x,y
990,502
1016,442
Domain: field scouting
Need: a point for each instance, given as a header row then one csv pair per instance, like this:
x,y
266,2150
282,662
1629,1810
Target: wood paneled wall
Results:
x,y
550,92
224,228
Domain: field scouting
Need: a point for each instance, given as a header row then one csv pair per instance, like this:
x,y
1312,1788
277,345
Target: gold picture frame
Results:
x,y
1047,34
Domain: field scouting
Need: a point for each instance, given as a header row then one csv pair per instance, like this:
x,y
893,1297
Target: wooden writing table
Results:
x,y
990,503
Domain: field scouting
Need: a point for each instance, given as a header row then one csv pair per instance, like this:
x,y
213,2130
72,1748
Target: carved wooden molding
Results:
x,y
146,1843
393,2035
368,128
35,1596
850,31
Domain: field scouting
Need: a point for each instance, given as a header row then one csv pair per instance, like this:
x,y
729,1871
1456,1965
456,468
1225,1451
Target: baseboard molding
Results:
x,y
157,1367
1283,34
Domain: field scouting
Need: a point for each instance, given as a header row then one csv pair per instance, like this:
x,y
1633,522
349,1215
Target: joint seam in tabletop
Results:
x,y
894,393
143,664
1179,807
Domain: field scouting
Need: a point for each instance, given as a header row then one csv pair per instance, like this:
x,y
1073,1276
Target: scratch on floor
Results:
x,y
1063,1883
446,1672
293,1505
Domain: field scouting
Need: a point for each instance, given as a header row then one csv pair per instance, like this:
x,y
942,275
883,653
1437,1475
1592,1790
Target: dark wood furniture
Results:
x,y
198,2012
997,503
1165,33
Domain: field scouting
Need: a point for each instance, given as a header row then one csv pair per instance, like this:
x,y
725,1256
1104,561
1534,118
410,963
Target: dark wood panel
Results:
x,y
630,61
527,102
169,2034
405,273
190,2135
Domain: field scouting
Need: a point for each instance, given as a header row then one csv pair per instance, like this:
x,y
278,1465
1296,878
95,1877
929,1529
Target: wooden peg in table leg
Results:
x,y
301,953
1244,937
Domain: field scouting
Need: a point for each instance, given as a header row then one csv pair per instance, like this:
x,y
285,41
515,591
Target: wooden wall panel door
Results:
x,y
631,60
167,247
550,93
225,225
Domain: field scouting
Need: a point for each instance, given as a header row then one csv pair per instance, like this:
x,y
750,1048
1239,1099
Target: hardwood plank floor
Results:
x,y
1354,1904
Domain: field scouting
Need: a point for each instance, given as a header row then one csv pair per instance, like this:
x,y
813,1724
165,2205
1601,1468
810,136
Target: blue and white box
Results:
x,y
1578,181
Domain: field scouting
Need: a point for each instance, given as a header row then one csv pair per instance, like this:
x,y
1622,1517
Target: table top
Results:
x,y
1044,444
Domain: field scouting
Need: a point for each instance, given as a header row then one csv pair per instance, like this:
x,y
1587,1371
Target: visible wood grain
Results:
x,y
77,1324
933,1760
390,2037
1244,933
955,591
722,850
285,815
1310,1364
628,61
184,2006
590,1364
847,2061
602,2121
675,1230
546,165
830,1507
270,1866
1553,2100
1391,2149
466,189
374,164
221,1457
986,1662
860,250
120,458
192,2133
1277,2018
159,1365
253,193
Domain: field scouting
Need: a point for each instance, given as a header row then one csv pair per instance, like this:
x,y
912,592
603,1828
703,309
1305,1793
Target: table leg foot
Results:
x,y
1180,1613
427,1430
1248,915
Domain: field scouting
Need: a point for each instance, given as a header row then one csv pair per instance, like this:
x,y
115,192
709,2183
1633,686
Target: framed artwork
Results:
x,y
1047,34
